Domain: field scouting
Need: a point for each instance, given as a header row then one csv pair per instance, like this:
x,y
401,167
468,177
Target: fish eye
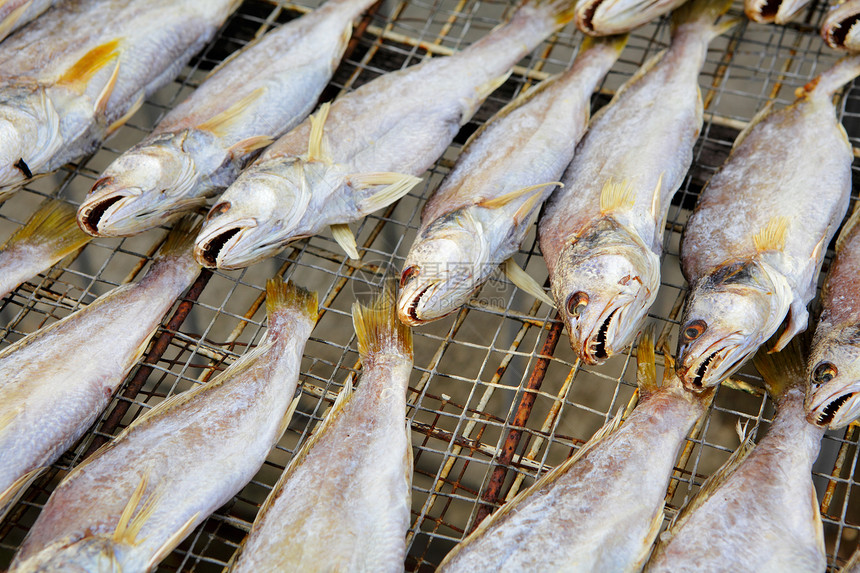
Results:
x,y
218,209
824,372
576,303
408,274
694,329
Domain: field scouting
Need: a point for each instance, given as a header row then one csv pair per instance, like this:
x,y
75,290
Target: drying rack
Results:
x,y
496,397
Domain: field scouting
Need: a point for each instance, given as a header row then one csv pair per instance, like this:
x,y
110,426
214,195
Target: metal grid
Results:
x,y
497,397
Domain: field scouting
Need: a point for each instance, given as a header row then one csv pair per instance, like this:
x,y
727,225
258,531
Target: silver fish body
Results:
x,y
55,382
759,512
834,362
464,233
602,511
753,247
134,500
343,503
602,233
840,29
366,150
199,148
62,94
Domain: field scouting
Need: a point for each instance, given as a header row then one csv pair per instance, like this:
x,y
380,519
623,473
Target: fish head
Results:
x,y
603,284
443,268
604,17
727,316
91,553
833,399
29,134
145,187
259,213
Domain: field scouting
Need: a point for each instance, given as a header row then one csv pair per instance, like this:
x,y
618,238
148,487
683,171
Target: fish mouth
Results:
x,y
764,10
831,413
838,33
208,249
92,213
699,377
585,16
409,312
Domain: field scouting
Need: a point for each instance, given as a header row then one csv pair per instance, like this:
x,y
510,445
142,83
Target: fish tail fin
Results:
x,y
180,240
615,43
831,81
54,226
378,329
287,296
784,369
646,364
703,14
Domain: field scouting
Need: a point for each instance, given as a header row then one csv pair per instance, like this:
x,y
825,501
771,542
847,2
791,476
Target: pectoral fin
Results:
x,y
344,237
616,195
316,143
798,319
10,496
772,236
503,200
481,93
126,116
396,186
9,22
84,69
172,542
249,145
221,123
104,96
525,282
128,527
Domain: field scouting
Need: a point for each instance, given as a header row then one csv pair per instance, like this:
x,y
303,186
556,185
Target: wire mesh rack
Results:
x,y
497,397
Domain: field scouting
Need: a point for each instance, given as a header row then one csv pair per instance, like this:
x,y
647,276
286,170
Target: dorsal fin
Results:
x,y
316,143
220,124
848,227
84,69
616,195
772,236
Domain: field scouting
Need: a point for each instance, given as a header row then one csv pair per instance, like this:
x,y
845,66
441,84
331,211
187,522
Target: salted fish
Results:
x,y
753,247
602,233
343,502
199,148
840,29
834,362
480,214
55,382
601,509
365,150
126,507
760,511
48,236
606,17
16,13
76,74
773,11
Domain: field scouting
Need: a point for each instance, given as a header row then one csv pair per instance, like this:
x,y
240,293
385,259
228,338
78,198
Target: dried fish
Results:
x,y
601,509
16,13
602,233
365,150
61,94
760,511
126,507
840,29
481,212
55,382
753,247
199,148
834,368
775,11
48,236
606,17
343,502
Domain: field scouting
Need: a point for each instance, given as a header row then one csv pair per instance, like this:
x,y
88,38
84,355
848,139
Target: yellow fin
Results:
x,y
650,536
503,200
848,227
288,415
181,238
316,143
616,195
655,200
377,328
481,93
397,185
288,295
527,209
525,282
250,145
126,116
9,22
772,236
344,237
84,69
10,496
646,364
172,542
763,113
128,527
53,225
221,123
104,96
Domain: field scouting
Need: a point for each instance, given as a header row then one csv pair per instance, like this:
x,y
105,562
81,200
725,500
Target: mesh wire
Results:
x,y
471,367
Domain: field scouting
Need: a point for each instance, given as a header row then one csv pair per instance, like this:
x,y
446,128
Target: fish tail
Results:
x,y
646,364
615,43
180,240
55,226
832,80
282,295
377,328
703,14
784,369
559,12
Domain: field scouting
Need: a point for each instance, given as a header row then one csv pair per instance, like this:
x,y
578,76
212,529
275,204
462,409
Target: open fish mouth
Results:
x,y
699,376
833,410
596,347
91,215
409,312
209,250
836,34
